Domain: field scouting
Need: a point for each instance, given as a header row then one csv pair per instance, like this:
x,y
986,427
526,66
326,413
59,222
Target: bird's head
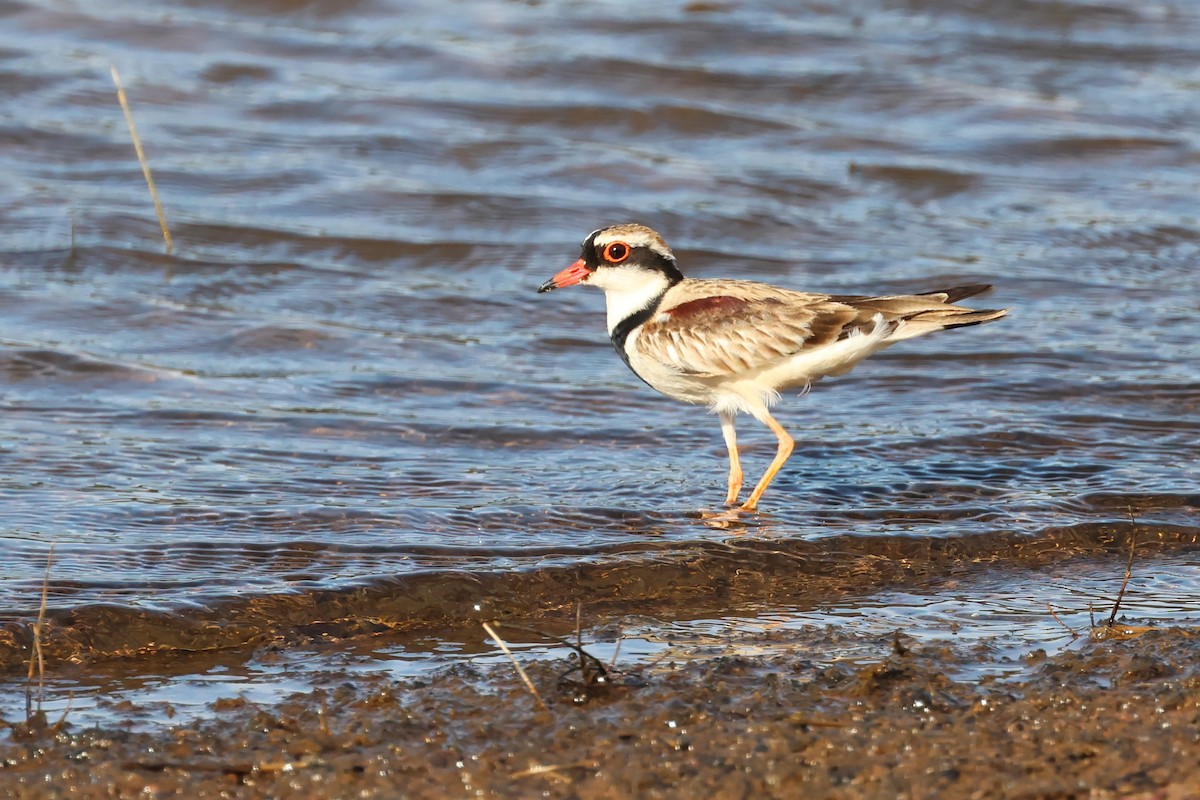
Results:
x,y
620,258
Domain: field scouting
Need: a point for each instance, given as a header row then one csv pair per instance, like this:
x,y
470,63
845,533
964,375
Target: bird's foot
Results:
x,y
724,518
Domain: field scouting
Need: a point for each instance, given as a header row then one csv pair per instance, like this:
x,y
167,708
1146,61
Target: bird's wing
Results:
x,y
738,327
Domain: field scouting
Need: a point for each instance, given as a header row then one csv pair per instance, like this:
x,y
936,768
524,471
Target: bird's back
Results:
x,y
748,337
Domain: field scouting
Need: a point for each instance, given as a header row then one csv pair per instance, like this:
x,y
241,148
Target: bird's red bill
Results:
x,y
568,277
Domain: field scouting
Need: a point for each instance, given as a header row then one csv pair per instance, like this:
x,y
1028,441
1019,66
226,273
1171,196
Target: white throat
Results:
x,y
627,290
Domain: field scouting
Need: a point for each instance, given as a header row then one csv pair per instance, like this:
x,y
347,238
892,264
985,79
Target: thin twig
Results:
x,y
816,723
528,683
537,769
141,156
323,716
1112,618
597,663
63,719
1070,630
579,640
667,652
612,664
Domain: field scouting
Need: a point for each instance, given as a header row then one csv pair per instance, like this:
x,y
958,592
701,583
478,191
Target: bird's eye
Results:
x,y
616,252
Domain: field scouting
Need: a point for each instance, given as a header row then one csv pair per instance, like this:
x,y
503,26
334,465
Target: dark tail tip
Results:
x,y
963,292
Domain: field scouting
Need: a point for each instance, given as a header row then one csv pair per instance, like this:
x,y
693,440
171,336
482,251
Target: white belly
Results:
x,y
754,390
669,381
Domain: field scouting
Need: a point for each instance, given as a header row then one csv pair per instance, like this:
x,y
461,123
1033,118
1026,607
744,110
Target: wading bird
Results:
x,y
735,345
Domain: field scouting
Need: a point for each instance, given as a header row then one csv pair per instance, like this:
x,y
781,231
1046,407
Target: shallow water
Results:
x,y
341,380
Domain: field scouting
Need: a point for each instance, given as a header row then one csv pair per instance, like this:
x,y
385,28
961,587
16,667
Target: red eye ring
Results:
x,y
616,252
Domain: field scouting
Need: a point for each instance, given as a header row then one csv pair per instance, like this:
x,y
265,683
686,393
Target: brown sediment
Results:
x,y
670,579
1113,718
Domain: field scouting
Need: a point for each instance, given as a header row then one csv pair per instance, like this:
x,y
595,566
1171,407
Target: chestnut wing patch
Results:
x,y
725,334
720,303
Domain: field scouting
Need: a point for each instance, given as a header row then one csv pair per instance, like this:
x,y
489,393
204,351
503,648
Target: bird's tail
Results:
x,y
919,314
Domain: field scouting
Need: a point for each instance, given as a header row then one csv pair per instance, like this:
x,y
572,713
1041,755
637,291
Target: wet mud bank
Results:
x,y
671,580
1116,715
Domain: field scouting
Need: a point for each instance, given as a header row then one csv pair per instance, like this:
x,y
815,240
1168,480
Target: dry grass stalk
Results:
x,y
552,770
528,683
141,156
38,659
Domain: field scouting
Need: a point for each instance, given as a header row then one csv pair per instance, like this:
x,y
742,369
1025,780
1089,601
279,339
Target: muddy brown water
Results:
x,y
338,409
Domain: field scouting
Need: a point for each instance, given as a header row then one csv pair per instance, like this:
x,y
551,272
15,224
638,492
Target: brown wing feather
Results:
x,y
715,328
723,334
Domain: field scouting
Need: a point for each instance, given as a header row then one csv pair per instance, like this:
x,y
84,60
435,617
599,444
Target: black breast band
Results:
x,y
626,326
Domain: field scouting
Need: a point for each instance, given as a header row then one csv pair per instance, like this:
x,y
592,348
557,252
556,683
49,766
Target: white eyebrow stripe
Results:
x,y
634,238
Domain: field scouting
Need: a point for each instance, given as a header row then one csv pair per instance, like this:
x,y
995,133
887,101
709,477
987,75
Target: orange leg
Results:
x,y
735,464
786,443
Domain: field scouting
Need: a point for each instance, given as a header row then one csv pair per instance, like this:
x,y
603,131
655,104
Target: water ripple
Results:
x,y
341,389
